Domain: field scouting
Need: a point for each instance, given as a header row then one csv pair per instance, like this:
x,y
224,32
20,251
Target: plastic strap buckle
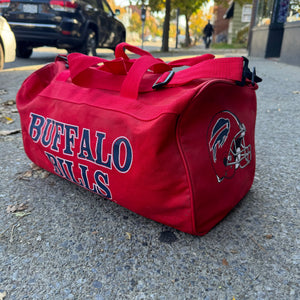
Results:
x,y
63,58
158,84
247,74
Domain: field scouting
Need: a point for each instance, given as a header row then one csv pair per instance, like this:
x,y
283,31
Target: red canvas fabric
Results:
x,y
182,155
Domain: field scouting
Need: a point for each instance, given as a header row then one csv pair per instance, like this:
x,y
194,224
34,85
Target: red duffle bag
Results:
x,y
175,147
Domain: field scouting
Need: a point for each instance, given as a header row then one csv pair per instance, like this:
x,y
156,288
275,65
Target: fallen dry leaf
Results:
x,y
3,91
2,295
8,120
16,208
128,236
225,262
35,172
44,174
9,132
21,214
269,236
9,102
34,167
27,174
39,171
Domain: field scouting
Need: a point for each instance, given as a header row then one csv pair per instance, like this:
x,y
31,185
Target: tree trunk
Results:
x,y
187,31
252,24
165,40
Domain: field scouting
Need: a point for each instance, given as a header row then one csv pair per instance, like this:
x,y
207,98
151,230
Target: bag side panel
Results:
x,y
216,134
37,82
135,163
148,106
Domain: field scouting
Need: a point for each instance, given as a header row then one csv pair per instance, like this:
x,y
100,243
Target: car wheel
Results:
x,y
123,37
90,44
23,51
1,57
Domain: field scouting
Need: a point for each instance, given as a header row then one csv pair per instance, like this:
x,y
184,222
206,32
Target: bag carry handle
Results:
x,y
191,61
221,68
201,67
85,72
231,68
119,52
79,63
126,74
131,83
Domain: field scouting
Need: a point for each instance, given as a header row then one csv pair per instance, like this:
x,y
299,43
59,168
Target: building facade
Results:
x,y
230,20
276,30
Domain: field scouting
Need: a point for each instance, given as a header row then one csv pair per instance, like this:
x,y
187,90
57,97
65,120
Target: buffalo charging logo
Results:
x,y
65,143
226,145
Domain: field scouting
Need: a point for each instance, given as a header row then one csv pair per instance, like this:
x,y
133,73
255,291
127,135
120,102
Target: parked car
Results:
x,y
7,43
74,25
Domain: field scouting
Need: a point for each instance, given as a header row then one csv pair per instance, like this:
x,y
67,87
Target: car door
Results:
x,y
91,9
108,24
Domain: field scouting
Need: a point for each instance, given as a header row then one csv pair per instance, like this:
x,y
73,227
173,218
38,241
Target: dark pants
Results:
x,y
207,41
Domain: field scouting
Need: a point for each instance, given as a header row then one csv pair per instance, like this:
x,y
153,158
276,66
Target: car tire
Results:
x,y
1,57
89,45
23,51
123,37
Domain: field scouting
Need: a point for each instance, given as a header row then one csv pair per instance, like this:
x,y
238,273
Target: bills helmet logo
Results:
x,y
226,145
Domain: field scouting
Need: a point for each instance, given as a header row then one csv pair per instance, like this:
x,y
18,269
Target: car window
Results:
x,y
106,8
94,3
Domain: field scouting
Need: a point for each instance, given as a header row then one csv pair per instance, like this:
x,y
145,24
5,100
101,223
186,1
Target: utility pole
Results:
x,y
143,18
177,26
252,24
165,40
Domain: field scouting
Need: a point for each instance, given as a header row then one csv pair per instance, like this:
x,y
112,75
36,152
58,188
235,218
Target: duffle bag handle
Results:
x,y
79,63
231,68
132,81
82,62
120,51
190,61
84,71
115,75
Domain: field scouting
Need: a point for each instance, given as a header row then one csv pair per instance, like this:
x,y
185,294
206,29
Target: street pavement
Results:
x,y
67,243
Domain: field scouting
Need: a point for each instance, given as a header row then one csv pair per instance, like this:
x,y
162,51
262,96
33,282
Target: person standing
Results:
x,y
208,31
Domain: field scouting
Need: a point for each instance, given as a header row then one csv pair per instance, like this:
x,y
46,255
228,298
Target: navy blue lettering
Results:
x,y
70,134
35,128
53,160
101,186
62,167
47,134
59,128
123,168
85,146
70,169
84,180
99,151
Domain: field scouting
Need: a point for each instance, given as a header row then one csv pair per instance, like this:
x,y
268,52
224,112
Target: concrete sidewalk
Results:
x,y
70,244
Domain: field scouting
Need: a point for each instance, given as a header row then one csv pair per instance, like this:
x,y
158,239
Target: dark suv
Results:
x,y
74,25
